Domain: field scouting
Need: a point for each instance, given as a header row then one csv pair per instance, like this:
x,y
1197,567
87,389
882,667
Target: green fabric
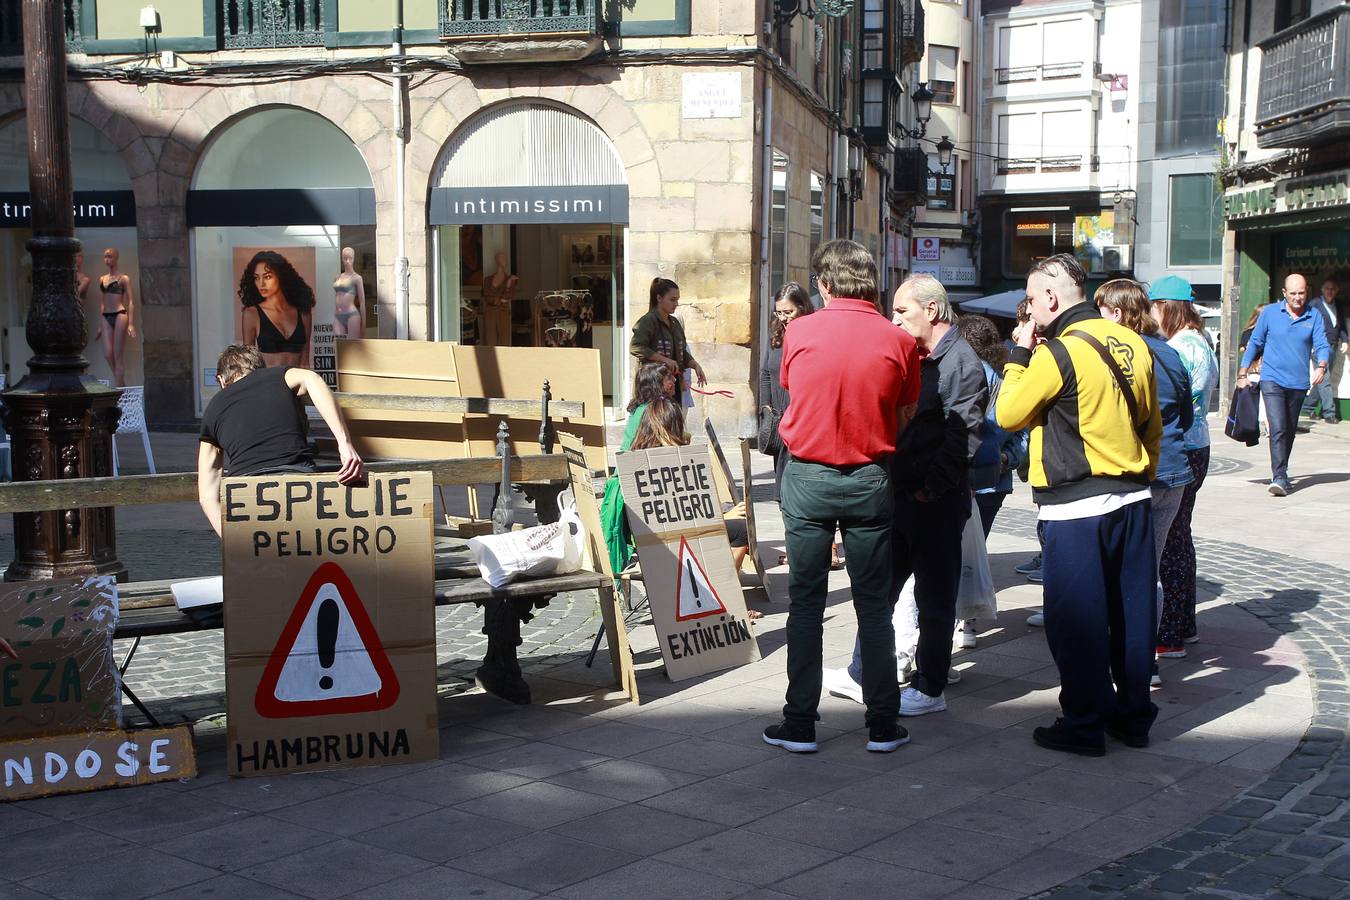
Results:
x,y
613,522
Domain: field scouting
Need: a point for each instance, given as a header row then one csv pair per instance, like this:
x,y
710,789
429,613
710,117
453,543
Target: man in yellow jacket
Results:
x,y
1085,387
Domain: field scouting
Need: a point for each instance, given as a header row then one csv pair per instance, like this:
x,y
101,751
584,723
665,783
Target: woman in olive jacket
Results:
x,y
659,337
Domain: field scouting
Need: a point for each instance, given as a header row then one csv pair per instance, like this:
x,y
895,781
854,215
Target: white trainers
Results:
x,y
966,634
953,675
1037,619
914,702
841,684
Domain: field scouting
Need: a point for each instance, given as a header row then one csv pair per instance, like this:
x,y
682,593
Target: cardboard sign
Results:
x,y
65,679
70,763
588,510
330,640
695,593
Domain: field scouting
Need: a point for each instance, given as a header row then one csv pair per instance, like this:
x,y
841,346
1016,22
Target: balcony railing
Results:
x,y
1039,72
1029,165
11,27
272,23
1304,97
911,31
909,179
492,18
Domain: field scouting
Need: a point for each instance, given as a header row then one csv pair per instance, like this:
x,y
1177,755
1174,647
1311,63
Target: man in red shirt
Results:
x,y
854,381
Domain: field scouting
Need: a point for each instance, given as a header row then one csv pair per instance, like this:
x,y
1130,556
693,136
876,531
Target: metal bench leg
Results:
x,y
500,672
131,695
595,646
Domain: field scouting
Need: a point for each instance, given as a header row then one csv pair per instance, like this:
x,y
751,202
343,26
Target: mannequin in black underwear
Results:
x,y
349,298
116,323
278,311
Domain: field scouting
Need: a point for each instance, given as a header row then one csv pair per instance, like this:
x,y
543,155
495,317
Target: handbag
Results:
x,y
768,439
975,597
1244,415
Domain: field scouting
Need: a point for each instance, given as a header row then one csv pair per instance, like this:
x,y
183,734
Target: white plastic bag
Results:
x,y
975,598
553,549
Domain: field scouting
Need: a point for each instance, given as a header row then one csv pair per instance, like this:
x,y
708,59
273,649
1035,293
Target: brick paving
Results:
x,y
1243,793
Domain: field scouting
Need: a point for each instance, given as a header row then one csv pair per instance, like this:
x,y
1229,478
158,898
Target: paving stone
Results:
x,y
352,811
138,872
1316,806
1272,790
858,877
442,883
1178,882
942,850
441,835
1318,887
653,879
543,861
723,801
1277,864
746,856
539,805
829,826
1313,846
1214,863
1227,824
1247,883
334,869
240,844
1248,808
1156,859
1287,824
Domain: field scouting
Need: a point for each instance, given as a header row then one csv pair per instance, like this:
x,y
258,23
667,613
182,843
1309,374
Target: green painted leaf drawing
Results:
x,y
32,622
58,625
32,595
48,592
78,603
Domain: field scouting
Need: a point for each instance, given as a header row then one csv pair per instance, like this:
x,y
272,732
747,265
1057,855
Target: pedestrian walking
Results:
x,y
1322,398
1287,333
659,337
1089,398
1174,311
854,381
1124,301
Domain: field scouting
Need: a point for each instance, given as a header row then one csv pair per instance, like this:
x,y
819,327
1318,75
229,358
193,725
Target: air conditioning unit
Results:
x,y
1116,258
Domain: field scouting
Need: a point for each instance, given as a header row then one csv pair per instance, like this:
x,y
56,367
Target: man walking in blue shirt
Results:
x,y
1286,334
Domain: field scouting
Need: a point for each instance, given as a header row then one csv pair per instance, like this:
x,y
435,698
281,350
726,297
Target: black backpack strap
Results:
x,y
1121,381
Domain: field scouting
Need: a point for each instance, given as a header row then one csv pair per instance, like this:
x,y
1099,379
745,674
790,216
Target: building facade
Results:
x,y
585,147
1055,135
1286,203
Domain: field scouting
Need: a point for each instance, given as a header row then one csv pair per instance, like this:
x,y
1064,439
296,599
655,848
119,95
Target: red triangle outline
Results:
x,y
265,700
679,583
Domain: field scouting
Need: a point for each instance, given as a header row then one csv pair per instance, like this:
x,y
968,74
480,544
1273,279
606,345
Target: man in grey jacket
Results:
x,y
930,478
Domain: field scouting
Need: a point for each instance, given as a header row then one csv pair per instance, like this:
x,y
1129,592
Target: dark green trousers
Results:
x,y
857,499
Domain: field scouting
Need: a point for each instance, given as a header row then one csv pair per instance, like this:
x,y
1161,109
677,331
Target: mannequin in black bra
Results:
x,y
349,298
278,311
116,323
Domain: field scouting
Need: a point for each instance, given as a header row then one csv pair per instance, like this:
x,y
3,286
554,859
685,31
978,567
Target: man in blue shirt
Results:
x,y
1286,334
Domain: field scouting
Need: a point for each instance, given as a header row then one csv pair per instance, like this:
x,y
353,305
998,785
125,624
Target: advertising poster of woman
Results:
x,y
277,308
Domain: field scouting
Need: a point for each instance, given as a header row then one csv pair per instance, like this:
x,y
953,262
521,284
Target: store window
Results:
x,y
1195,223
942,73
1033,235
817,211
529,206
778,221
284,191
1191,63
105,218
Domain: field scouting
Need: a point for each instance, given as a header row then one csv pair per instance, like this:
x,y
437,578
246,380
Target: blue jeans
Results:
x,y
1100,618
1282,408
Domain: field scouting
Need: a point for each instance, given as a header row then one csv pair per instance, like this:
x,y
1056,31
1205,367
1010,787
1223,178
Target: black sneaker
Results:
x,y
1128,738
1058,737
794,737
887,737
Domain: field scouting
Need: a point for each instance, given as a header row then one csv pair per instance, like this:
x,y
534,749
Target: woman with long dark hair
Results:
x,y
659,337
1174,311
278,309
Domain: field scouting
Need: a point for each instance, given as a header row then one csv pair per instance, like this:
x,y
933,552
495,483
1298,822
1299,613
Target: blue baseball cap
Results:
x,y
1171,287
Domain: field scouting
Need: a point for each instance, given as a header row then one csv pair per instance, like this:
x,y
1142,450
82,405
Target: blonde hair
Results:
x,y
1131,299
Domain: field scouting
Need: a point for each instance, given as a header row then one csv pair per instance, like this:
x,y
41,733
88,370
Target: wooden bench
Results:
x,y
148,609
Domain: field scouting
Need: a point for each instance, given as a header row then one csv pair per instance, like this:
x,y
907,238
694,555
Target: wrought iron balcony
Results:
x,y
909,177
273,23
911,31
519,18
11,27
1304,98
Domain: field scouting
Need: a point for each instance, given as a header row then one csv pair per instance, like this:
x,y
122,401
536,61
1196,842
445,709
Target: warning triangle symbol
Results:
x,y
695,597
329,659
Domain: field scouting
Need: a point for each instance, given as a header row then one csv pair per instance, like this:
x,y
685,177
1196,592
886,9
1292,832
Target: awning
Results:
x,y
1003,305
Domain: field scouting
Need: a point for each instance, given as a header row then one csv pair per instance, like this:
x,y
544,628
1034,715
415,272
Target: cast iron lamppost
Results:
x,y
60,422
923,111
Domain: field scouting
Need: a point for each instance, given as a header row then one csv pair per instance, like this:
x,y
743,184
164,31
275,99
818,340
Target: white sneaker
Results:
x,y
914,702
1036,619
841,684
966,634
953,675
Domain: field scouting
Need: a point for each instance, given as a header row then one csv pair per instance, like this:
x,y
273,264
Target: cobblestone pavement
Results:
x,y
1243,792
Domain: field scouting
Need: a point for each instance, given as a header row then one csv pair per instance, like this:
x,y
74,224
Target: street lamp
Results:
x,y
923,111
944,149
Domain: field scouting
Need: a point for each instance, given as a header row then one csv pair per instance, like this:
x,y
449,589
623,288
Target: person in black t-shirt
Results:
x,y
257,425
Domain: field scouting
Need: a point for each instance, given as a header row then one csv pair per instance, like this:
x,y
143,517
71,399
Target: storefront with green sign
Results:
x,y
1290,226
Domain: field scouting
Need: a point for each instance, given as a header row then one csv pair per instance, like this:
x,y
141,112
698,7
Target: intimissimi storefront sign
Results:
x,y
604,203
93,209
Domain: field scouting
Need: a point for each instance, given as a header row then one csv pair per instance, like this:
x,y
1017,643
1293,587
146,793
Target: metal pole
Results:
x,y
60,425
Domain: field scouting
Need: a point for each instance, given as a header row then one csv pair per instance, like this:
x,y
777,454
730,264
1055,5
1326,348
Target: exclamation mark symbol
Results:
x,y
693,583
327,638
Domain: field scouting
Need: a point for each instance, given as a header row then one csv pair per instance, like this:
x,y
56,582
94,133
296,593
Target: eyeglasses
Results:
x,y
779,314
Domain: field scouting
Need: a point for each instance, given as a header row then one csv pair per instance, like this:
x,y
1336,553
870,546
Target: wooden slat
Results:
x,y
180,487
486,406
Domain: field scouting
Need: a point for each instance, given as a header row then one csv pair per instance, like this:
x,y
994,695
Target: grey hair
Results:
x,y
928,289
